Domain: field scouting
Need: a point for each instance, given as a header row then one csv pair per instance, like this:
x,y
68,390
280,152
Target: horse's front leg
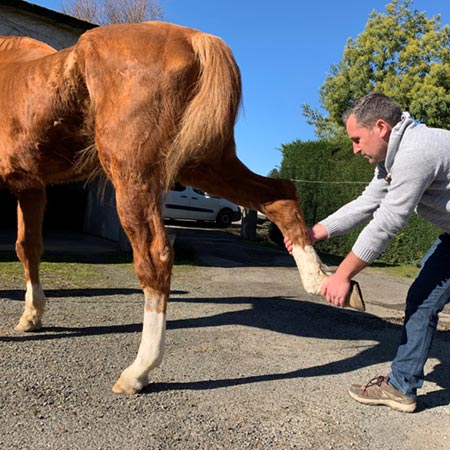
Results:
x,y
139,212
30,214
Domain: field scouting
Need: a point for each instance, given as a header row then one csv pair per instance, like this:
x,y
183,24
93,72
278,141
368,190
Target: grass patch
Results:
x,y
394,270
70,272
400,270
10,269
59,270
53,274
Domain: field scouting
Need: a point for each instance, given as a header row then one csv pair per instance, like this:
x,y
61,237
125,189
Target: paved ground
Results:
x,y
252,361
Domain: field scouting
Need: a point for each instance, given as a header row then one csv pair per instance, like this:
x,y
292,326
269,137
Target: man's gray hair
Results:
x,y
368,109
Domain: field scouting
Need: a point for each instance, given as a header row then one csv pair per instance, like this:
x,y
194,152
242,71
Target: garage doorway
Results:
x,y
65,209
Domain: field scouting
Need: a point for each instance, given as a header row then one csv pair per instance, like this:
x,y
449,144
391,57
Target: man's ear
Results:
x,y
383,128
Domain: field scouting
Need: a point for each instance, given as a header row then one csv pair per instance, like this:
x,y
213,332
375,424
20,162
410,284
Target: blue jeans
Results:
x,y
426,297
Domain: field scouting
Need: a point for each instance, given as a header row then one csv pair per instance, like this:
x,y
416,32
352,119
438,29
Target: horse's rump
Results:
x,y
177,90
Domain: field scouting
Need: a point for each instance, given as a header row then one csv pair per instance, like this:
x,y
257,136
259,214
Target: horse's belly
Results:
x,y
37,166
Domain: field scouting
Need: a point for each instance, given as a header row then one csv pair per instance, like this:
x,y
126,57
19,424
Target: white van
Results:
x,y
186,202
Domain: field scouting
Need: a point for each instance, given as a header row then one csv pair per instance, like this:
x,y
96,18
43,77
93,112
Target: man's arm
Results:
x,y
360,210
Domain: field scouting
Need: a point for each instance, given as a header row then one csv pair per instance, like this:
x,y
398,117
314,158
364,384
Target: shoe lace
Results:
x,y
376,381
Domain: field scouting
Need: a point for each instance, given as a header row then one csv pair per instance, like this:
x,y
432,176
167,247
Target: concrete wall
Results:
x,y
101,217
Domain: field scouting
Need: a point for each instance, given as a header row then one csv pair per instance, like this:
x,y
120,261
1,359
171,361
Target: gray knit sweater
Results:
x,y
414,177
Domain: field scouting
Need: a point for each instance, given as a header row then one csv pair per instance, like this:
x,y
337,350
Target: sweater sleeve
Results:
x,y
360,210
410,179
387,207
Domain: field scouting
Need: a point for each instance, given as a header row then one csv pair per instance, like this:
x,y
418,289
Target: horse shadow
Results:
x,y
280,315
285,315
19,294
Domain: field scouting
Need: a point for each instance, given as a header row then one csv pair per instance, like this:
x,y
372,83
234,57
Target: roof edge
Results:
x,y
48,13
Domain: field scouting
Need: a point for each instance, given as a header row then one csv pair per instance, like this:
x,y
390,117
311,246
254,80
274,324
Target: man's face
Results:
x,y
371,142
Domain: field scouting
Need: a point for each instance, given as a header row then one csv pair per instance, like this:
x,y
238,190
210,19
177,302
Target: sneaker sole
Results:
x,y
391,403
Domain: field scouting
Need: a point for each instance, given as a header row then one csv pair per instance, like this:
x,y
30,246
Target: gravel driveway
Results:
x,y
251,361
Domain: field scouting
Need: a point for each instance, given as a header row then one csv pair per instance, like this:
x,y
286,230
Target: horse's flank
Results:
x,y
198,87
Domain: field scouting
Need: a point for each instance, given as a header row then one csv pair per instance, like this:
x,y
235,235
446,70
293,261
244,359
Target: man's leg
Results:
x,y
426,297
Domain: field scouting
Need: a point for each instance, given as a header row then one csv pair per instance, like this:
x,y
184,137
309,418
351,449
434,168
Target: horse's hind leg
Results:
x,y
138,206
30,214
227,177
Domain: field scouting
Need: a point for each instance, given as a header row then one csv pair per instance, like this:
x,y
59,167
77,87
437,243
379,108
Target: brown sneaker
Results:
x,y
378,391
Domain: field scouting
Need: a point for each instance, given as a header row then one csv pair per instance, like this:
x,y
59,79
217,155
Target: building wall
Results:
x,y
101,217
18,24
18,18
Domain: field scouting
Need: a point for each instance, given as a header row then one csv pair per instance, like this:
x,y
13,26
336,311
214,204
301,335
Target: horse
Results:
x,y
145,104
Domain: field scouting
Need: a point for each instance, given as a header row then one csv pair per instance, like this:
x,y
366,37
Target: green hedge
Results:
x,y
328,175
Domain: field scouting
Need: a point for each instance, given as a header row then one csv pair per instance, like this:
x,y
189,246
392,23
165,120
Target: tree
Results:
x,y
401,53
104,12
274,173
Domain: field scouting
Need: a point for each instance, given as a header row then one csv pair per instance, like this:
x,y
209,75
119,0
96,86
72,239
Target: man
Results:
x,y
412,173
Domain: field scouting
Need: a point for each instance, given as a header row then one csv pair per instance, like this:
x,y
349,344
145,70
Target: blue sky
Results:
x,y
284,49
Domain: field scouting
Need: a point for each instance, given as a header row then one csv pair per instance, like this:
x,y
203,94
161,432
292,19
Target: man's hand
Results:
x,y
288,245
336,289
315,233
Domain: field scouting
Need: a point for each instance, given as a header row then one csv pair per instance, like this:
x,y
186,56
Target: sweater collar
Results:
x,y
395,139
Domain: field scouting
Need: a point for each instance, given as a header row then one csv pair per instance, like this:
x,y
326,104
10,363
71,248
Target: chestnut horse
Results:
x,y
146,104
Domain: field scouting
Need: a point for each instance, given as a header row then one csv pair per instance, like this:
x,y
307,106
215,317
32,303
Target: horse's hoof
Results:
x,y
25,326
123,387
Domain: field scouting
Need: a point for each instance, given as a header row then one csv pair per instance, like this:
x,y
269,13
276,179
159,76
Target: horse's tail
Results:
x,y
208,121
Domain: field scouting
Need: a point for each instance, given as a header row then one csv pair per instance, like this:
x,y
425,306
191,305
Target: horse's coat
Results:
x,y
145,103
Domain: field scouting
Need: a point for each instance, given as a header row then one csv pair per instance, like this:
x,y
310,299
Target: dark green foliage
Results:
x,y
274,173
328,175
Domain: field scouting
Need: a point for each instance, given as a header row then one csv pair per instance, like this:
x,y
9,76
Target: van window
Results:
x,y
178,187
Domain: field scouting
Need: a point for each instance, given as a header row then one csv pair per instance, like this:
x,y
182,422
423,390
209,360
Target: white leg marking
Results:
x,y
150,354
151,350
312,271
34,308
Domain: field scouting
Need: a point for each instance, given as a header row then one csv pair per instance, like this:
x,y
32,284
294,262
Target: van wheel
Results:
x,y
224,218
